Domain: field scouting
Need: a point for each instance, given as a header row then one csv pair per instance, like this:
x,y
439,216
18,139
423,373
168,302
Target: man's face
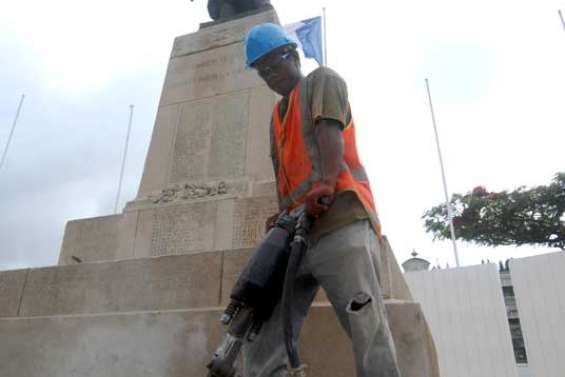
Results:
x,y
280,70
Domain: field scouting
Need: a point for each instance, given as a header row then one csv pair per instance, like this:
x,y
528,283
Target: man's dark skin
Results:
x,y
280,69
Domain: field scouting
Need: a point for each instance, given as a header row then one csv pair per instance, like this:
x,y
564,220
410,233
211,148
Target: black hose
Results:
x,y
298,249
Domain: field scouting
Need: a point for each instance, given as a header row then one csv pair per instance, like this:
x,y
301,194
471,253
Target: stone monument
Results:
x,y
152,281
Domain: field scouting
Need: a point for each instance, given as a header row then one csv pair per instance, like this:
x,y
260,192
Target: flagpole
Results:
x,y
5,153
561,17
124,159
448,205
324,18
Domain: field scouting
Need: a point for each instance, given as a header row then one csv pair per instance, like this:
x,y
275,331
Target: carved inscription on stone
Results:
x,y
192,142
207,74
190,191
184,228
249,220
224,64
211,139
228,147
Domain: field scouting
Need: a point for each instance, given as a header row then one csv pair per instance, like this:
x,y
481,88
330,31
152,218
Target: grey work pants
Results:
x,y
344,263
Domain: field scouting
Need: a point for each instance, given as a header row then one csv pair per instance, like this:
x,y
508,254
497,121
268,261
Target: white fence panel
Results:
x,y
467,317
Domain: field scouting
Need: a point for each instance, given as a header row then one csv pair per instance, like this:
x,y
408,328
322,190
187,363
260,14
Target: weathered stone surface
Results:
x,y
219,35
210,142
126,234
414,345
228,147
192,141
92,240
183,228
130,285
249,220
233,262
169,343
157,344
392,280
264,188
258,164
207,74
224,225
144,234
157,164
11,288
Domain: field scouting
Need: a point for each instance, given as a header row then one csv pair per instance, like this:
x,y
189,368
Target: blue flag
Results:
x,y
308,35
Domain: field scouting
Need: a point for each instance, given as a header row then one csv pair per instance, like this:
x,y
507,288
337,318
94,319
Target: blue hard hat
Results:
x,y
264,38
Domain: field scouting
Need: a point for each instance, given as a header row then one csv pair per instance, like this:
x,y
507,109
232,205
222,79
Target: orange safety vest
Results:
x,y
296,158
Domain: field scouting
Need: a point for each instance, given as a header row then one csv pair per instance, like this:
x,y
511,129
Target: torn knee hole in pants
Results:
x,y
358,302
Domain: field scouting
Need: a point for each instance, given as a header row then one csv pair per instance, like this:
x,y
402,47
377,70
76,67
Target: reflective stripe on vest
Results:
x,y
296,157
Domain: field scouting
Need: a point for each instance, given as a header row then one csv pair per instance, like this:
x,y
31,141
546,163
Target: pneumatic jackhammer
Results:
x,y
267,278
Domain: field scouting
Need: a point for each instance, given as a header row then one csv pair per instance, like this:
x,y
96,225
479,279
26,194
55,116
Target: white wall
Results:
x,y
539,286
465,310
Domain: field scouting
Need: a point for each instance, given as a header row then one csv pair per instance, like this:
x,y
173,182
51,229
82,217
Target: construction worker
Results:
x,y
316,164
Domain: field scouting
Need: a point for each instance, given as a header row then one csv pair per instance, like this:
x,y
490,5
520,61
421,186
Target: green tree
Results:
x,y
525,216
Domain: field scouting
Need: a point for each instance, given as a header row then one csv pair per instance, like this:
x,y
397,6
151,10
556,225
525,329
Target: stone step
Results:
x,y
153,283
178,343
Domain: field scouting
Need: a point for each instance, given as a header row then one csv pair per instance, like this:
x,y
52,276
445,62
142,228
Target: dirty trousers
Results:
x,y
345,263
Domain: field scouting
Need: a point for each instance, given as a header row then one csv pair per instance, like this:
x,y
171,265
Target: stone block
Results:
x,y
208,224
92,239
156,344
392,280
167,343
11,287
172,282
414,345
183,228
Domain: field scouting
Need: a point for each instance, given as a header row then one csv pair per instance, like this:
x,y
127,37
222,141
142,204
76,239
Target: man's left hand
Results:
x,y
318,199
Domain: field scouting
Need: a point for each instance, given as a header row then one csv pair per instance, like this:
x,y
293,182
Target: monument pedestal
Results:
x,y
146,299
159,317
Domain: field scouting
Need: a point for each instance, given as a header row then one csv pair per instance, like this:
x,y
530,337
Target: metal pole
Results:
x,y
5,153
325,41
561,17
124,159
449,209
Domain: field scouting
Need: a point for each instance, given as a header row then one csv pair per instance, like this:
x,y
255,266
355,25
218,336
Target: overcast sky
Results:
x,y
496,70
